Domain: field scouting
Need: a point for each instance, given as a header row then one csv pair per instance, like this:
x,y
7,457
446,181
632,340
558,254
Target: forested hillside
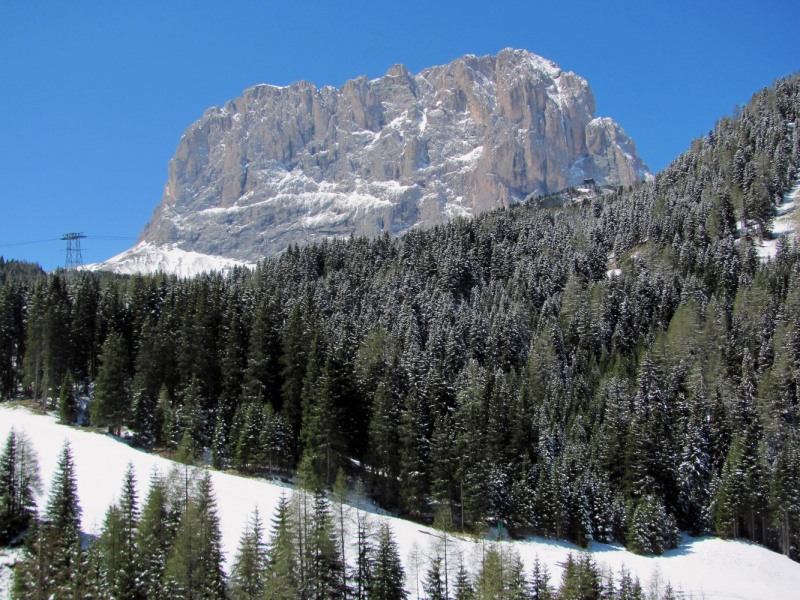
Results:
x,y
614,370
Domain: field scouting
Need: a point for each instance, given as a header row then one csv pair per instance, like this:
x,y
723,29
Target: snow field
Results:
x,y
704,567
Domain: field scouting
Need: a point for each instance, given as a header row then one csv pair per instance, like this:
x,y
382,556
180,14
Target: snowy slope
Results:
x,y
708,568
785,223
146,258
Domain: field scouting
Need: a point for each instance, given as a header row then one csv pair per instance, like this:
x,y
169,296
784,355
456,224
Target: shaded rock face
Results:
x,y
296,164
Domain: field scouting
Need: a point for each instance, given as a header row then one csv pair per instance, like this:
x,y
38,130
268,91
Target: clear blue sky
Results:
x,y
94,96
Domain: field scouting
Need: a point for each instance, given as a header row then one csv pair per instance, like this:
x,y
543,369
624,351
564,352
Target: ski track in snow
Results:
x,y
785,224
706,567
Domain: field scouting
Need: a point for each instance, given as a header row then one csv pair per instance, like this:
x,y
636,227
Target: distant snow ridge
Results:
x,y
146,258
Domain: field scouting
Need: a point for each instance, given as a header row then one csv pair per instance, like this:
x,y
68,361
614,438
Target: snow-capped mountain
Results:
x,y
285,165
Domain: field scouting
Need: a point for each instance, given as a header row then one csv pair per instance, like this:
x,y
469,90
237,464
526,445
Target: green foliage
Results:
x,y
111,401
194,566
19,484
248,578
387,572
67,406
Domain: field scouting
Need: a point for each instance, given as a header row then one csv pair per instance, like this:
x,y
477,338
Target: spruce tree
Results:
x,y
386,582
361,574
413,456
540,581
146,385
67,406
153,540
464,589
194,566
293,360
248,578
19,484
324,566
321,432
434,584
282,577
651,529
111,401
53,563
581,579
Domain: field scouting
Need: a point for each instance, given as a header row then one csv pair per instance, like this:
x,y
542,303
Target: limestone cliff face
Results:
x,y
289,165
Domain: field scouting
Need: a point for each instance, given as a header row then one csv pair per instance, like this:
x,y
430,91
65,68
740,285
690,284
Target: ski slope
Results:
x,y
704,567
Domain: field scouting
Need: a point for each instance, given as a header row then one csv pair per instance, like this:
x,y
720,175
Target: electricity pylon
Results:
x,y
74,256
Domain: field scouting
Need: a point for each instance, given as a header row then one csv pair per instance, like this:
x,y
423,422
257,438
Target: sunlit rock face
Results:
x,y
286,165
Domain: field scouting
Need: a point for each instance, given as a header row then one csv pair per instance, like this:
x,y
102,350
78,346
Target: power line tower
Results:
x,y
74,256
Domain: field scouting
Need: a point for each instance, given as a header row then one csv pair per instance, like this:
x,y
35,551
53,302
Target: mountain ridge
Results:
x,y
295,164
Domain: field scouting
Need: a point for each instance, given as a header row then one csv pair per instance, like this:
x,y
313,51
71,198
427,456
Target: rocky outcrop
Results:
x,y
285,165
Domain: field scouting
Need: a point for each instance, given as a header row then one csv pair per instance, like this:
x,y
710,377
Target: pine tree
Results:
x,y
434,584
282,579
111,399
53,560
387,572
19,485
194,566
413,456
67,407
581,579
365,551
540,581
153,540
464,589
248,577
117,548
651,529
325,570
293,359
321,430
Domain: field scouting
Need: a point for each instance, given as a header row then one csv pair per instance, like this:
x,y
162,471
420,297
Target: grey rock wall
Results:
x,y
296,164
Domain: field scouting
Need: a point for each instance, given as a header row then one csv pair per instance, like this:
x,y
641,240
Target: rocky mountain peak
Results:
x,y
294,164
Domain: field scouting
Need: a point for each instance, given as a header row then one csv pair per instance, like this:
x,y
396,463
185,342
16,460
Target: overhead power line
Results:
x,y
36,242
91,237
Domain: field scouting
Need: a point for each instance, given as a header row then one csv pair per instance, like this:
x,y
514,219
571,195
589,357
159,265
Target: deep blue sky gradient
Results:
x,y
94,96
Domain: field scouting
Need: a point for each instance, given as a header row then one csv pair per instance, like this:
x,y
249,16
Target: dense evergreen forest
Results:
x,y
618,369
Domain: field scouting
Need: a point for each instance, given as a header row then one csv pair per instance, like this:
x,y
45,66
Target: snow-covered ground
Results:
x,y
146,258
7,560
705,567
785,224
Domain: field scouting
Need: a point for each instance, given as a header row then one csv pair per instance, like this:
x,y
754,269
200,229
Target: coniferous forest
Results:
x,y
618,369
